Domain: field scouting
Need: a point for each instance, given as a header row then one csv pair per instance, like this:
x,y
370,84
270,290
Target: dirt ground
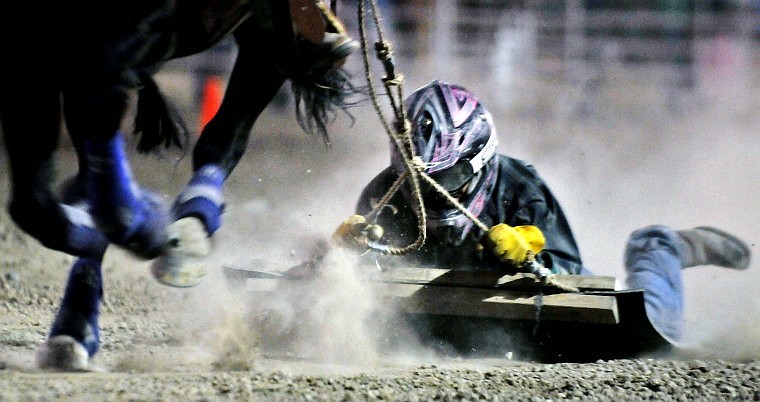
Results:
x,y
613,174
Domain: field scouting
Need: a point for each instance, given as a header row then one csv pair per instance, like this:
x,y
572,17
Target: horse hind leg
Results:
x,y
68,228
197,212
74,336
31,145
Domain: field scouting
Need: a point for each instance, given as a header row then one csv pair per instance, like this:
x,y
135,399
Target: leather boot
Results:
x,y
706,245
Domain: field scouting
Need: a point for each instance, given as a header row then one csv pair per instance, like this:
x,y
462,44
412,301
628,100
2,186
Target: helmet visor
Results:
x,y
453,178
456,181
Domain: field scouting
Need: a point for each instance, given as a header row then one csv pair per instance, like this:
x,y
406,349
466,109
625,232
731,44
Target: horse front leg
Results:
x,y
198,213
198,209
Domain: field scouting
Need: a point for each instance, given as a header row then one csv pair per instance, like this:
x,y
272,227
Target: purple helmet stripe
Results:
x,y
460,104
451,127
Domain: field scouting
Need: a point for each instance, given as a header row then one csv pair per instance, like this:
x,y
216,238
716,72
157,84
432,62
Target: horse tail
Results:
x,y
157,121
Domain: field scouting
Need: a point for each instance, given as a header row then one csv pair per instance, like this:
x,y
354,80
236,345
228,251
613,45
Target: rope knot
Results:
x,y
402,126
418,163
384,54
383,50
394,81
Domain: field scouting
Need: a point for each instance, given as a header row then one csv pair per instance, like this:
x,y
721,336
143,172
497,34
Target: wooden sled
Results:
x,y
487,314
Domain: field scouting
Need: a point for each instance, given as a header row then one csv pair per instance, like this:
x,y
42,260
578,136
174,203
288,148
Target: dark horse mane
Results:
x,y
317,105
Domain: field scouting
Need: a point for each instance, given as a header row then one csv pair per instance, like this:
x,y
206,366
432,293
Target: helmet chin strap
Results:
x,y
473,182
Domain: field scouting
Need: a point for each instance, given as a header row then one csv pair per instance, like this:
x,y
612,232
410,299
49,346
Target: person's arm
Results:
x,y
525,199
390,225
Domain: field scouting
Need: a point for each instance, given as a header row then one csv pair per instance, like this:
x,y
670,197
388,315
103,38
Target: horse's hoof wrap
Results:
x,y
184,265
63,353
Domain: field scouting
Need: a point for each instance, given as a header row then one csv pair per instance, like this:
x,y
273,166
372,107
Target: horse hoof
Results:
x,y
340,47
64,353
184,264
149,236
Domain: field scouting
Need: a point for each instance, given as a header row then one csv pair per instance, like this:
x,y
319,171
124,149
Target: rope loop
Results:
x,y
399,132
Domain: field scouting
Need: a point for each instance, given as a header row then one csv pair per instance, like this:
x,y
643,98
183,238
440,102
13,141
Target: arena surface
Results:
x,y
632,164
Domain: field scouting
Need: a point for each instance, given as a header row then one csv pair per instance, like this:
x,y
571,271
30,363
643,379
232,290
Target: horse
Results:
x,y
98,54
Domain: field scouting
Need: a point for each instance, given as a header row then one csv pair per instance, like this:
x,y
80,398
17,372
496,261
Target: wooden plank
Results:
x,y
444,277
501,304
487,279
480,302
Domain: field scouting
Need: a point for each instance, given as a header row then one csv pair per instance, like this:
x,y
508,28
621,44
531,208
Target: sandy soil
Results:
x,y
614,175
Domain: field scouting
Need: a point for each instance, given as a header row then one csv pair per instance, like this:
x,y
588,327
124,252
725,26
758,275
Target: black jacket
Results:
x,y
520,197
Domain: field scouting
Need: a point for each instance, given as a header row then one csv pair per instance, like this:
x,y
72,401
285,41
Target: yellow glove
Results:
x,y
514,245
356,233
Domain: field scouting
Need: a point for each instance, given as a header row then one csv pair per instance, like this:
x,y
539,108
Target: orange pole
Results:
x,y
211,99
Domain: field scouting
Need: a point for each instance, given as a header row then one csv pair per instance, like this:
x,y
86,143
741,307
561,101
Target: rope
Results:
x,y
401,136
542,273
453,201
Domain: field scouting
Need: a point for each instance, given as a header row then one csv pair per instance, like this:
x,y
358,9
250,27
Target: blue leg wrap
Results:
x,y
66,228
82,236
203,198
78,314
129,216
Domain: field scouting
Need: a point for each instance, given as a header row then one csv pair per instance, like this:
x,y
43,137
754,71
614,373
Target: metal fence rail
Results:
x,y
639,35
508,50
566,42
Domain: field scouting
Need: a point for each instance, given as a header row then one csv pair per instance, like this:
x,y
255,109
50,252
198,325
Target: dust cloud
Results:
x,y
638,162
636,159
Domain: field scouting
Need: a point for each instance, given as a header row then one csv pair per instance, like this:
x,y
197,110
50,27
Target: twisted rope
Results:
x,y
401,136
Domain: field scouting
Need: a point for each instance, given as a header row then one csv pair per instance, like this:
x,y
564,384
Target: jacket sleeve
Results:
x,y
398,221
373,191
523,198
